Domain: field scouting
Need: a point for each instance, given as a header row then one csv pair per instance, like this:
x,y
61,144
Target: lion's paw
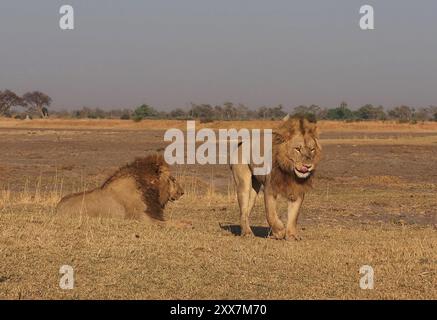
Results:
x,y
278,235
293,237
247,233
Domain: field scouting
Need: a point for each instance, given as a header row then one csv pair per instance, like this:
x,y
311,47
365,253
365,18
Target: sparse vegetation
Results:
x,y
38,102
144,112
376,208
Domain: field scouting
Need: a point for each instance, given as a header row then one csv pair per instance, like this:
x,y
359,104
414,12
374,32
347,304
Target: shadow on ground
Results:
x,y
262,232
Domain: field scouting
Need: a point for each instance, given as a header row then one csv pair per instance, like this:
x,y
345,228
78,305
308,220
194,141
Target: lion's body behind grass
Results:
x,y
138,190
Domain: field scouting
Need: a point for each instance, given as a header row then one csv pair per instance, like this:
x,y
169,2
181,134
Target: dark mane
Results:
x,y
288,185
284,181
146,171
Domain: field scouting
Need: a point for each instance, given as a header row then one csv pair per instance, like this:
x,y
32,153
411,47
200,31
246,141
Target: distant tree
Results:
x,y
322,114
202,111
125,116
312,112
230,112
369,112
219,112
252,114
37,101
85,112
242,112
96,113
178,113
263,112
300,110
143,112
422,114
277,112
382,115
402,113
340,113
9,99
433,112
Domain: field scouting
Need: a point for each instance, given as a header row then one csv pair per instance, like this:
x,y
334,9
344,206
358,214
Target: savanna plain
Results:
x,y
373,203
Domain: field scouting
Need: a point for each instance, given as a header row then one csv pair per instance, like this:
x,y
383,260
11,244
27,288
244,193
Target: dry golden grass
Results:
x,y
427,140
127,259
372,205
331,126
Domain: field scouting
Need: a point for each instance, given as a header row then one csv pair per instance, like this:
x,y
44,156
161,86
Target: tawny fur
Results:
x,y
283,178
138,190
295,146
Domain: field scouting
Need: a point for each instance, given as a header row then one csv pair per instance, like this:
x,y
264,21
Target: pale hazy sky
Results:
x,y
168,53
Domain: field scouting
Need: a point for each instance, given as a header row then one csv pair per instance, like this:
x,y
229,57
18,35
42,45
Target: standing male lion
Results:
x,y
138,190
295,155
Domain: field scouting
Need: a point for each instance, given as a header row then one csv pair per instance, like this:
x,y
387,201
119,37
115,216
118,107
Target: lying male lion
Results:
x,y
138,190
295,155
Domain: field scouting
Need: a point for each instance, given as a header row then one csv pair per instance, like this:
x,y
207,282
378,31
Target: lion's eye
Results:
x,y
313,149
297,149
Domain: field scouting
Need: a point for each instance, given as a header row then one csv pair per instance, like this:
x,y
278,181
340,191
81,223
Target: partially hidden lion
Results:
x,y
296,151
138,190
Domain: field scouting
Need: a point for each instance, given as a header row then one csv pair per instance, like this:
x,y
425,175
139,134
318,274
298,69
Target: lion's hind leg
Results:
x,y
246,195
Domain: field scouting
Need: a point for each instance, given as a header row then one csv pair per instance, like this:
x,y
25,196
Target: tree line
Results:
x,y
36,103
229,111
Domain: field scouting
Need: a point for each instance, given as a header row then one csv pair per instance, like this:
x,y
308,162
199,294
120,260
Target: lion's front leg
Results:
x,y
293,214
278,229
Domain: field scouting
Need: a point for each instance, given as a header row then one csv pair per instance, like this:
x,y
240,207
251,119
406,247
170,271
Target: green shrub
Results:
x,y
144,111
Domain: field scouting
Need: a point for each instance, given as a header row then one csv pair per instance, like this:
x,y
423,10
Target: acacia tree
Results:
x,y
9,99
37,102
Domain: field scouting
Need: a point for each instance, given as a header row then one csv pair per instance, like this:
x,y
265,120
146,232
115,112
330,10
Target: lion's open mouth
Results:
x,y
302,174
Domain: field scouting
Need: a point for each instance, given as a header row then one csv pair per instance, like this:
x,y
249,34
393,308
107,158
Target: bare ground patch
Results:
x,y
373,203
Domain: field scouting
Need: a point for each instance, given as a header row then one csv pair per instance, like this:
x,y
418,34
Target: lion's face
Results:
x,y
298,152
174,189
170,189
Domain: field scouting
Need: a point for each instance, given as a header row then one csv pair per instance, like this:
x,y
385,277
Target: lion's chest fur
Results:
x,y
287,184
